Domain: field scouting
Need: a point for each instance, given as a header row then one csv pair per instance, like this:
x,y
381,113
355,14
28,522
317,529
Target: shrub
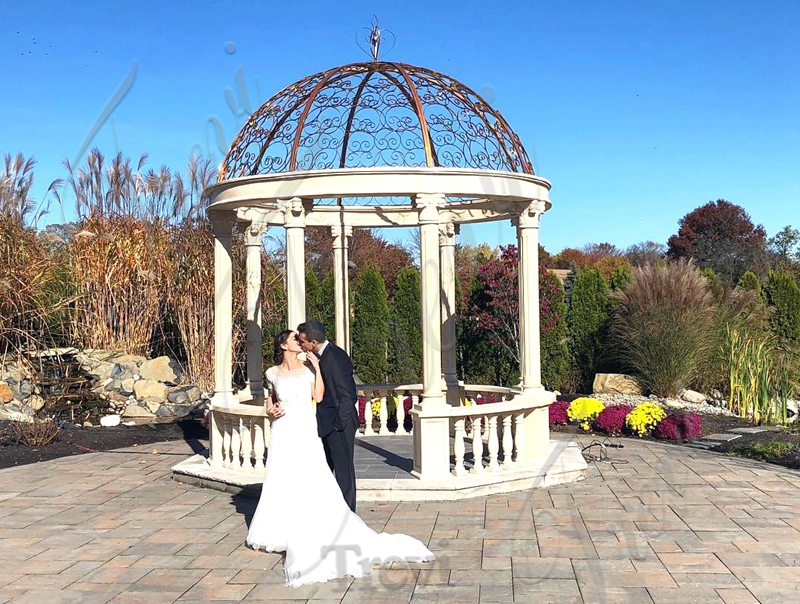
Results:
x,y
558,413
663,326
587,323
34,434
644,418
611,420
680,427
585,410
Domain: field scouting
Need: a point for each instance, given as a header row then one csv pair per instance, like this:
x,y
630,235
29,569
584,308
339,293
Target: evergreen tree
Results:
x,y
553,330
783,295
405,342
587,325
312,295
750,283
370,330
620,277
714,284
326,305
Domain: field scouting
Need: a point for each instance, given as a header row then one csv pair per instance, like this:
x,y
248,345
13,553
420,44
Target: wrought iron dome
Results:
x,y
372,114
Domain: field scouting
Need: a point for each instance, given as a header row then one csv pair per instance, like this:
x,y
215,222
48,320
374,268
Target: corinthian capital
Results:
x,y
529,217
293,212
428,205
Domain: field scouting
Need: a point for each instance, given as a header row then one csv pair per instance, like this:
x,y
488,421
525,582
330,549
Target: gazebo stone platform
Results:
x,y
384,473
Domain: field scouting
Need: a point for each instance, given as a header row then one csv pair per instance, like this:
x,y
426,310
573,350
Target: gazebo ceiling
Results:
x,y
374,114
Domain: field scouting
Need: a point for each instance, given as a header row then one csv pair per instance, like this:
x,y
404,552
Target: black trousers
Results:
x,y
339,450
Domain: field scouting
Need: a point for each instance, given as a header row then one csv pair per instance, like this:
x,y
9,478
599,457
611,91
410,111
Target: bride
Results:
x,y
301,510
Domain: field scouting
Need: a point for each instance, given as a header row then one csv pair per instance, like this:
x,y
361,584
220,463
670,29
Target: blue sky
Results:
x,y
637,111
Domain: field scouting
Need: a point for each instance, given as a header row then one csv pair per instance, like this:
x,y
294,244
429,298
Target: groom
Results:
x,y
337,420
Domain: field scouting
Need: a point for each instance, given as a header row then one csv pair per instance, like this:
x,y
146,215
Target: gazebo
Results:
x,y
375,145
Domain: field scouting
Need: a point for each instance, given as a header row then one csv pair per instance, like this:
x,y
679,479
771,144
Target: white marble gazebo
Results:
x,y
378,145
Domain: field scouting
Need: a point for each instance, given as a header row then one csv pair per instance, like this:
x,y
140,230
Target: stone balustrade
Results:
x,y
239,436
485,437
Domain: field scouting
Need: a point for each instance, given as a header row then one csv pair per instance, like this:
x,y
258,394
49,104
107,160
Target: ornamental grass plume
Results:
x,y
685,426
644,418
558,413
585,410
663,326
611,420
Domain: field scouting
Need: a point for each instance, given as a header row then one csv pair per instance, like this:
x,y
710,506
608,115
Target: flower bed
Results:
x,y
643,420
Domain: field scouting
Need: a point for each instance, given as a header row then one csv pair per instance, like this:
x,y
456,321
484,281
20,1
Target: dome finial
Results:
x,y
370,39
375,38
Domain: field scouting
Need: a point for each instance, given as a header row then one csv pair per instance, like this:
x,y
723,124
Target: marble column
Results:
x,y
431,434
294,223
341,240
447,251
222,225
537,432
255,227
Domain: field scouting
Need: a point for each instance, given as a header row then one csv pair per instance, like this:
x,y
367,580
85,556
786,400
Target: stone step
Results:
x,y
700,444
722,437
756,429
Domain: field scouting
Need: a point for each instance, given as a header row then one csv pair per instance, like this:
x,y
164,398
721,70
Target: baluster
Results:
x,y
519,436
226,441
368,431
216,439
508,442
459,448
477,447
494,444
261,426
266,428
383,414
247,443
236,443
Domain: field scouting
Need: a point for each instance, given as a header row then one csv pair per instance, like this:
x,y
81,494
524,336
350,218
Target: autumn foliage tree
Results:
x,y
720,235
492,322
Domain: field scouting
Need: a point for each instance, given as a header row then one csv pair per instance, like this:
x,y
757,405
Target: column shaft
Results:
x,y
447,246
222,224
294,223
341,235
253,233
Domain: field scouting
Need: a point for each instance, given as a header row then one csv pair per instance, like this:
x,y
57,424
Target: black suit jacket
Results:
x,y
337,411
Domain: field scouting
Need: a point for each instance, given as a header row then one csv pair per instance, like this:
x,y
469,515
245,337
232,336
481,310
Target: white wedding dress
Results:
x,y
302,511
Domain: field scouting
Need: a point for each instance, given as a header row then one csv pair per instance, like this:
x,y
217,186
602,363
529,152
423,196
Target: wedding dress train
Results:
x,y
302,511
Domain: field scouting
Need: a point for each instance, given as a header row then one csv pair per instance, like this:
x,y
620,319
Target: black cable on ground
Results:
x,y
603,454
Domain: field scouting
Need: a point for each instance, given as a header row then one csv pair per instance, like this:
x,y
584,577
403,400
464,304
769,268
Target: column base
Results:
x,y
537,421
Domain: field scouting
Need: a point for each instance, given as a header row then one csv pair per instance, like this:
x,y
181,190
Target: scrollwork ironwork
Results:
x,y
374,114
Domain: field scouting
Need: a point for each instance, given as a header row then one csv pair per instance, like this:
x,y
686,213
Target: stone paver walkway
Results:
x,y
671,525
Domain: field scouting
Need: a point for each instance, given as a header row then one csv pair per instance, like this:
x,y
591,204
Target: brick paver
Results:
x,y
672,524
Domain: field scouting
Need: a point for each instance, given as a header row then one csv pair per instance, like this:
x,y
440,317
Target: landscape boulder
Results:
x,y
615,383
692,396
6,394
137,411
161,369
150,390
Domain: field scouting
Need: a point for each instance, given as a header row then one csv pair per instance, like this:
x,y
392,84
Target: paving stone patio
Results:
x,y
672,524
